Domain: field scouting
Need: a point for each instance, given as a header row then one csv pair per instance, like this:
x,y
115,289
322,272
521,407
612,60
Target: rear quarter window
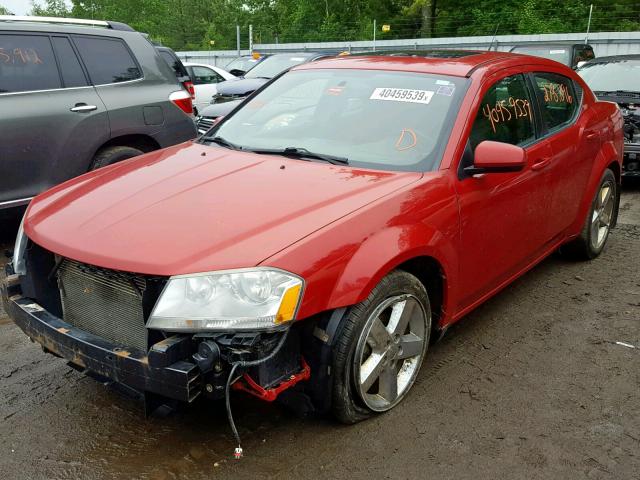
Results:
x,y
107,60
558,99
27,64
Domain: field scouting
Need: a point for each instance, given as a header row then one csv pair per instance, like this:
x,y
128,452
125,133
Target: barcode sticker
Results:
x,y
402,95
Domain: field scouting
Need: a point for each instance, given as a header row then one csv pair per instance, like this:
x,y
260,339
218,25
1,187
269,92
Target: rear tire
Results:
x,y
597,225
381,346
111,155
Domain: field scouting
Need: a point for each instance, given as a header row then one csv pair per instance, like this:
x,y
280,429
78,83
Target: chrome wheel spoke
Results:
x,y
605,195
410,346
378,337
371,370
397,316
388,384
401,314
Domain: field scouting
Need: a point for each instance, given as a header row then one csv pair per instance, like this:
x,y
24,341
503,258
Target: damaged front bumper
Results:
x,y
631,161
169,377
174,368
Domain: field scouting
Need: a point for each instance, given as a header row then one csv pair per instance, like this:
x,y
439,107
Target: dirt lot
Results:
x,y
531,385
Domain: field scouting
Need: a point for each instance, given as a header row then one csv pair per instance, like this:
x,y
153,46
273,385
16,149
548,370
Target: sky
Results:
x,y
18,7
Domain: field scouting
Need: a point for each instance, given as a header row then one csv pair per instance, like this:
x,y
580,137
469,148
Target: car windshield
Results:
x,y
557,53
373,119
619,74
275,64
242,63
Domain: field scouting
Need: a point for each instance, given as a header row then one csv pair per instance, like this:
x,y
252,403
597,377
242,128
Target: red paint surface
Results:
x,y
193,208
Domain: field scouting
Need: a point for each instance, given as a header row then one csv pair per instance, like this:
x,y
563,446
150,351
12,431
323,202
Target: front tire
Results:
x,y
597,225
381,348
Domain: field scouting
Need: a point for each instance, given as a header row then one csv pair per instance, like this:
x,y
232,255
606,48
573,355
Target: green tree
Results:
x,y
50,8
4,10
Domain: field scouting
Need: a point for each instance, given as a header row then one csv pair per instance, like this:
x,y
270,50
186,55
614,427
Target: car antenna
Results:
x,y
586,37
494,37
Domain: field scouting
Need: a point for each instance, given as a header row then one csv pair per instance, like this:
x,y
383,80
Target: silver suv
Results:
x,y
76,95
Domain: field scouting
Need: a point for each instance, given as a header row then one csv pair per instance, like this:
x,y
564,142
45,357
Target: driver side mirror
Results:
x,y
497,157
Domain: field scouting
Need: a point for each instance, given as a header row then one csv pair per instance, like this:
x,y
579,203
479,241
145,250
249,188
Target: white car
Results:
x,y
205,78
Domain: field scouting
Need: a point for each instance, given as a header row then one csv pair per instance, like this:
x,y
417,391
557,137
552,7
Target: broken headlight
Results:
x,y
244,299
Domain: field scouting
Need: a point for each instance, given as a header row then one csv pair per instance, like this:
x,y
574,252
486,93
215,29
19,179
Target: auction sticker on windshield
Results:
x,y
402,95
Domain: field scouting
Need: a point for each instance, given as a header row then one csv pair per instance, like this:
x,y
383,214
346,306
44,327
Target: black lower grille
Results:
x,y
104,302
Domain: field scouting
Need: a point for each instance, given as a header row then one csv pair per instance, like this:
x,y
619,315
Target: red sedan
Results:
x,y
314,242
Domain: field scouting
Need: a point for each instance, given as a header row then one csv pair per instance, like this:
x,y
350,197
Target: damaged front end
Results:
x,y
631,116
98,320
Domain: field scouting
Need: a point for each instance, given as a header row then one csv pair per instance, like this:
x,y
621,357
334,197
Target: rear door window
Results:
x,y
204,76
506,114
72,73
27,64
108,60
558,100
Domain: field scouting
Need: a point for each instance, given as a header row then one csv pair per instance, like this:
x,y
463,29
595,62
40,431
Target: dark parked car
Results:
x,y
570,54
617,79
241,65
232,92
77,95
310,246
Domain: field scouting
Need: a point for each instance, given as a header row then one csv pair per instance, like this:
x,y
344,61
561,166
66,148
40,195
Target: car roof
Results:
x,y
460,63
614,58
303,54
193,64
551,45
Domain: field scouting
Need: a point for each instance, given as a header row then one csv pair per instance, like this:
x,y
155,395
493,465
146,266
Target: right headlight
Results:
x,y
258,298
19,263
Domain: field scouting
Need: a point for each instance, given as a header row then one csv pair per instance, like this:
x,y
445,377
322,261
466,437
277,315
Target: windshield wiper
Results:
x,y
299,152
222,142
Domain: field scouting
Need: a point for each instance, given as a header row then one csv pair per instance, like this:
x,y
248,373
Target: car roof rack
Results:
x,y
67,21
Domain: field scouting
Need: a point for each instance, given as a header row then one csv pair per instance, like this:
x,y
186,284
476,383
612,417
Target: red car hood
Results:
x,y
194,208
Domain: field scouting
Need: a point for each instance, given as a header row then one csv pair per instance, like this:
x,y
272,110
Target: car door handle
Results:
x,y
541,164
83,108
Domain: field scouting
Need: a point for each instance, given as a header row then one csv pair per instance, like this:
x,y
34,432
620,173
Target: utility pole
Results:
x,y
250,38
374,34
238,38
586,37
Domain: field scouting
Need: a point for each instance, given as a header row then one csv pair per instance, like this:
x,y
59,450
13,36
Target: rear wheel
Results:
x,y
381,348
110,155
597,226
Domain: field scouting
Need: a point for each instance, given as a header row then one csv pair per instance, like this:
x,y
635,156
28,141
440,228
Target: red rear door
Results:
x,y
573,134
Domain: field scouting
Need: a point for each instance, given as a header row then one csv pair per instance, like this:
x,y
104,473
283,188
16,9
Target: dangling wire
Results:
x,y
246,364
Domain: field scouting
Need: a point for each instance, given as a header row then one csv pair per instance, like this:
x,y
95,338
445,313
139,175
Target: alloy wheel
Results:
x,y
389,351
602,215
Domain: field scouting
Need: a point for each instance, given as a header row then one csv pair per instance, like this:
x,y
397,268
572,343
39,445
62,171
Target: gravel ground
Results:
x,y
530,385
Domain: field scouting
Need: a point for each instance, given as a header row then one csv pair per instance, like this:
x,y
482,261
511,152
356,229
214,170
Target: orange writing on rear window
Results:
x,y
20,56
556,93
507,110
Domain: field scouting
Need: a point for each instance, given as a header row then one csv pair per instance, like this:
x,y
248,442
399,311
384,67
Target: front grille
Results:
x,y
204,124
106,303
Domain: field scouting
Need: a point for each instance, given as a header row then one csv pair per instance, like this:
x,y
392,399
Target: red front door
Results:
x,y
503,216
